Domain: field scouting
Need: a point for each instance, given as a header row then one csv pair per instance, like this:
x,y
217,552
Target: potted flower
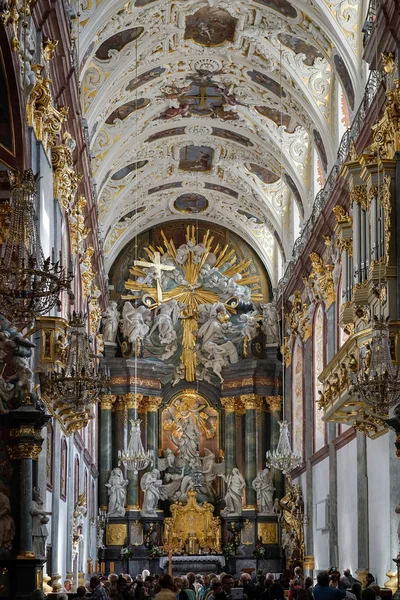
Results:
x,y
259,550
125,554
154,551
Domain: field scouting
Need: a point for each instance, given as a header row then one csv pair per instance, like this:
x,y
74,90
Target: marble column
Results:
x,y
132,499
230,432
119,428
250,402
275,411
151,405
362,505
105,448
55,510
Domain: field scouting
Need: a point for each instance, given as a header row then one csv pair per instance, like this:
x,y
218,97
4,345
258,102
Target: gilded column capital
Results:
x,y
24,450
133,400
229,404
358,195
120,404
151,403
250,401
274,403
107,401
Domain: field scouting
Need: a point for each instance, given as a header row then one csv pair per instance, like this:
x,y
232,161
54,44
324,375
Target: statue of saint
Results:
x,y
189,440
135,322
110,323
292,506
265,489
216,350
235,485
39,522
117,493
153,489
270,326
210,471
7,525
166,318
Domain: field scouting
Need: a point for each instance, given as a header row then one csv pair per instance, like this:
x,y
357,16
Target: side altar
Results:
x,y
191,341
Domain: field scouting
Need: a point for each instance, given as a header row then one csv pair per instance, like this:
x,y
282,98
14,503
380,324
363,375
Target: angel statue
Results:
x,y
154,491
135,322
216,350
117,493
167,462
235,485
165,320
110,323
265,489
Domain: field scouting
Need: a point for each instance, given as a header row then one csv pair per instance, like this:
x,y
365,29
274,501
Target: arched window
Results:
x,y
318,367
49,456
76,480
63,470
297,399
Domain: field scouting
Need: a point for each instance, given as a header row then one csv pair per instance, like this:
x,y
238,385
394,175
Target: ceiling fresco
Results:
x,y
214,108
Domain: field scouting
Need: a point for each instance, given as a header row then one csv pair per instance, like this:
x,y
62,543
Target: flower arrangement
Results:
x,y
154,551
229,549
126,552
259,550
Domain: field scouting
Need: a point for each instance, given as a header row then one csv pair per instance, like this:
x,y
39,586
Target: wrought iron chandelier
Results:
x,y
135,458
29,283
283,458
80,382
378,382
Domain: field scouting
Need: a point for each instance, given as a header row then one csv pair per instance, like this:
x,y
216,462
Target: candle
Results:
x,y
97,566
89,566
112,567
103,567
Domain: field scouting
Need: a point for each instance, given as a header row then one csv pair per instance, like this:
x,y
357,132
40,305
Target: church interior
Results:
x,y
199,305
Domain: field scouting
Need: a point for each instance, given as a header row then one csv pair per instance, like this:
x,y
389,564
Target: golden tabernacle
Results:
x,y
192,529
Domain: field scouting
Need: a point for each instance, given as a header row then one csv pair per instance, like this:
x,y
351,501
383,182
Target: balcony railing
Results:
x,y
370,20
321,199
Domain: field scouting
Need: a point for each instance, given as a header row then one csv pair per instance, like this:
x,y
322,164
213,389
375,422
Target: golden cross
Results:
x,y
159,268
202,95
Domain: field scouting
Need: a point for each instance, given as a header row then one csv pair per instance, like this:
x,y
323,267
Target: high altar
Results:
x,y
192,345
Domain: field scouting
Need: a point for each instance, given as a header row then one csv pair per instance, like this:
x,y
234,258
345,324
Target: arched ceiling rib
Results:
x,y
216,105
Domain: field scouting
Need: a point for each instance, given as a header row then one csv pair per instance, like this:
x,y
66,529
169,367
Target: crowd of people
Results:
x,y
331,585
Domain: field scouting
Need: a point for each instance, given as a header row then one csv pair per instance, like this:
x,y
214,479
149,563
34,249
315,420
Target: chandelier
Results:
x,y
283,458
80,382
378,382
29,283
135,458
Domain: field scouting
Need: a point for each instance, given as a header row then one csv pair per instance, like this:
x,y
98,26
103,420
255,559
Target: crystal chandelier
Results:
x,y
135,458
80,382
29,283
378,382
283,458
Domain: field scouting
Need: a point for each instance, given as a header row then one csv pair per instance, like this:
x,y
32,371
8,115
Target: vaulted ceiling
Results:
x,y
213,109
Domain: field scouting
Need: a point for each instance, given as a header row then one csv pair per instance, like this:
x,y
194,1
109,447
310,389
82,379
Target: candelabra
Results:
x,y
29,283
135,458
80,382
283,458
378,382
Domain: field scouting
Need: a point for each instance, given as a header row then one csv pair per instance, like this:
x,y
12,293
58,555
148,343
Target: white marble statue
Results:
x,y
270,326
189,439
165,320
7,525
39,522
235,485
250,324
110,323
197,250
135,322
265,489
167,462
116,493
216,351
154,491
210,470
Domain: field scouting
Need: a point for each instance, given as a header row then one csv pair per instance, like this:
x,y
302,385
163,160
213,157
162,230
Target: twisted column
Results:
x,y
105,447
230,432
250,402
132,499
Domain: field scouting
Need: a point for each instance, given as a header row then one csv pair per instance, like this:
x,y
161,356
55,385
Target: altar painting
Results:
x,y
190,413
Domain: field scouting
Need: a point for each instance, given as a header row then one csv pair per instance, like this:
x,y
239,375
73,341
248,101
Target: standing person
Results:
x,y
216,590
370,579
191,577
228,583
180,592
167,588
308,585
205,587
347,573
98,591
276,592
191,594
322,591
